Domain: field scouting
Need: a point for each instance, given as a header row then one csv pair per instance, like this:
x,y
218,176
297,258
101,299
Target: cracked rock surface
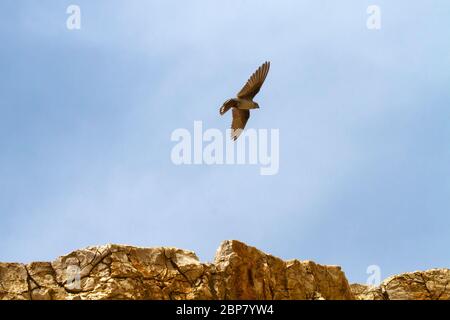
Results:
x,y
239,271
125,272
433,284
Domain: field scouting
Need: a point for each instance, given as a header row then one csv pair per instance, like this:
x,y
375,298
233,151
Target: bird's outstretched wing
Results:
x,y
255,82
240,118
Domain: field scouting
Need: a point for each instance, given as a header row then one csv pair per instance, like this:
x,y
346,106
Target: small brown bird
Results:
x,y
244,101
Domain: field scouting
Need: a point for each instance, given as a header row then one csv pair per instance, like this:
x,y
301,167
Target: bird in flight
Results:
x,y
242,104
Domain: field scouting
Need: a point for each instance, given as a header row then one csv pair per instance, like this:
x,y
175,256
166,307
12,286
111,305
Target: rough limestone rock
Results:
x,y
432,284
244,272
124,272
238,272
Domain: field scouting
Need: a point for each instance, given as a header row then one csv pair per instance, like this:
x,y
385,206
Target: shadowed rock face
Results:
x,y
238,272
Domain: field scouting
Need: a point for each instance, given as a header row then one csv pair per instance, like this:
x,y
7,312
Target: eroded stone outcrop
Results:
x,y
244,272
124,272
432,284
239,271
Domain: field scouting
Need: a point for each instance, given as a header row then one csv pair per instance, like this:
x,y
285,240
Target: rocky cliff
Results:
x,y
432,284
238,272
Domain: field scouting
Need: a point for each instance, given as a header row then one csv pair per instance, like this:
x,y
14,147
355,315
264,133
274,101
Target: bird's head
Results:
x,y
256,105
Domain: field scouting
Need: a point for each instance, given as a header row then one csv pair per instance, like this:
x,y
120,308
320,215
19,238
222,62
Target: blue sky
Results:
x,y
86,118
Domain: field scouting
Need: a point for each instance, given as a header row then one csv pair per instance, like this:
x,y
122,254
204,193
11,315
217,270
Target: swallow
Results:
x,y
243,103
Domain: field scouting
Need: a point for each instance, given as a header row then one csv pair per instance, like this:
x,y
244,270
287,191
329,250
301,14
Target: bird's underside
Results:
x,y
244,102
